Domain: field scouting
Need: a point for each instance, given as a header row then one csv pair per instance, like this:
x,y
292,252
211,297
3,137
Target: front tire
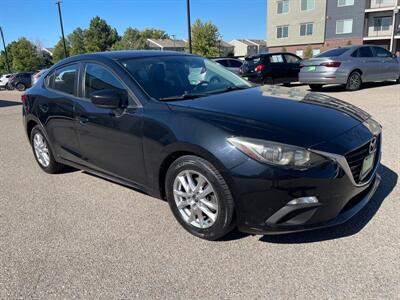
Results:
x,y
199,198
354,82
43,153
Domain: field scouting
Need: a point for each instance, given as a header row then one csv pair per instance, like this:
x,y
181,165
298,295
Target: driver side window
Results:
x,y
98,78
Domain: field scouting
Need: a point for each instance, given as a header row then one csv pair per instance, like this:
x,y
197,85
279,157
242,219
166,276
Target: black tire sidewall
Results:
x,y
223,224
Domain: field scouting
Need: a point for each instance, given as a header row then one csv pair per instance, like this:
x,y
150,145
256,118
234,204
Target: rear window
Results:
x,y
333,52
253,60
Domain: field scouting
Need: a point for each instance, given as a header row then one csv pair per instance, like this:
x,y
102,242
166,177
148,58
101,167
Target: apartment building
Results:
x,y
381,27
295,25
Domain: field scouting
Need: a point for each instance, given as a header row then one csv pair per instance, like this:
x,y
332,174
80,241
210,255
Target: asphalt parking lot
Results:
x,y
75,235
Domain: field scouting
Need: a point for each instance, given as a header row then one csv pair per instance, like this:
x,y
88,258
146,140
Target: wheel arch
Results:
x,y
178,152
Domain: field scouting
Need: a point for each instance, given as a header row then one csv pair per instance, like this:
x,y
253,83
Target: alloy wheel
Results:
x,y
41,150
355,81
195,198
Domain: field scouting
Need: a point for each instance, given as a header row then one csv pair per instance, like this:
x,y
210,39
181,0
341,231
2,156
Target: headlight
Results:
x,y
274,153
373,126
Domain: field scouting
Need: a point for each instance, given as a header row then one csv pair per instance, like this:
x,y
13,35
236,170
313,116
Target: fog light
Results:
x,y
303,200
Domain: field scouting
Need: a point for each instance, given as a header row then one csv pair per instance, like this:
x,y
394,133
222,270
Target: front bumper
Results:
x,y
351,208
263,194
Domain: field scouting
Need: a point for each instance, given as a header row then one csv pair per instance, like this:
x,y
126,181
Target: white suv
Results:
x,y
4,80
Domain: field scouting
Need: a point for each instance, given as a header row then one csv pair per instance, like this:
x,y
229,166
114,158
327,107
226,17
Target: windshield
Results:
x,y
333,52
179,77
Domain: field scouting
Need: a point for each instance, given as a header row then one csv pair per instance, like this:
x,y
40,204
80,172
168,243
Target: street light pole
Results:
x,y
62,28
189,26
5,50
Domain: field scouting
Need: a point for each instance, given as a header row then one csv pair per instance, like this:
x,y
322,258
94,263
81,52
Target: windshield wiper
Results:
x,y
228,89
183,97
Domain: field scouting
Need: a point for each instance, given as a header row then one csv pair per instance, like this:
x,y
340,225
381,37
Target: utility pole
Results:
x,y
189,26
62,29
5,51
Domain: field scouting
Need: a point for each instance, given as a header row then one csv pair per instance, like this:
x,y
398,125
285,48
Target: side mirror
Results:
x,y
108,99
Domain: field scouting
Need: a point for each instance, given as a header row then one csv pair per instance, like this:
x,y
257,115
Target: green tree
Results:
x,y
205,38
25,56
58,53
76,41
131,40
100,36
308,53
152,33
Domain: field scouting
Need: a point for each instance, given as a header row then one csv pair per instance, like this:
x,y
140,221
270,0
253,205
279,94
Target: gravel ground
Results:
x,y
78,236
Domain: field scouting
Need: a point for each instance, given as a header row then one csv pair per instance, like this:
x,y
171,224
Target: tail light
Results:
x,y
259,68
23,98
331,64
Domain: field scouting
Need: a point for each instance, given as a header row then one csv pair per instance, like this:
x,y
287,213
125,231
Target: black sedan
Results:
x,y
271,68
223,153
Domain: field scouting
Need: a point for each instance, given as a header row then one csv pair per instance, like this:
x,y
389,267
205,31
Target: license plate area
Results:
x,y
311,68
367,165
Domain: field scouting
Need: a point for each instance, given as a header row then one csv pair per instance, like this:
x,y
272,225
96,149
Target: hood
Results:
x,y
316,116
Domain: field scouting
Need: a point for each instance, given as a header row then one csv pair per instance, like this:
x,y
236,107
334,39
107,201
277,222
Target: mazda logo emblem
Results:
x,y
372,145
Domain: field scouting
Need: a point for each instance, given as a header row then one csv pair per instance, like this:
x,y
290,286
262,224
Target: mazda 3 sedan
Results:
x,y
267,159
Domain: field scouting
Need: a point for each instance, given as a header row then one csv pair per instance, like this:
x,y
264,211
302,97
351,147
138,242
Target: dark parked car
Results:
x,y
222,153
272,68
21,81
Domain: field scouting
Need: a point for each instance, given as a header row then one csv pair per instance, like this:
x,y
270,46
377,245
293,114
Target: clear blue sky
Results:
x,y
38,19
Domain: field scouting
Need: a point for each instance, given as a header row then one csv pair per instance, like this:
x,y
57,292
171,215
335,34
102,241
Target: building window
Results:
x,y
283,7
382,23
344,26
384,1
345,3
282,31
299,53
306,29
315,52
307,4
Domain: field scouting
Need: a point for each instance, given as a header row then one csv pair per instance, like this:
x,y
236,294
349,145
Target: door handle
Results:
x,y
44,108
83,120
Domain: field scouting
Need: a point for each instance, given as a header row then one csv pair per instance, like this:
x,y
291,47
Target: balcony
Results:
x,y
381,5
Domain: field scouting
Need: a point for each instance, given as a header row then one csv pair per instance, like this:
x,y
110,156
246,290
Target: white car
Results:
x,y
4,80
232,64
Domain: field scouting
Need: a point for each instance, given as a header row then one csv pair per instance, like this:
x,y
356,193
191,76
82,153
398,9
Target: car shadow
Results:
x,y
6,103
351,227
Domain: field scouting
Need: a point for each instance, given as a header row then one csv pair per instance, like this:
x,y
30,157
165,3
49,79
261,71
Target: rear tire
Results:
x,y
315,87
199,198
42,152
21,87
354,82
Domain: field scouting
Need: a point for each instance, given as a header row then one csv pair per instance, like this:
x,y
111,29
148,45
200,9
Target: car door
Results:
x,y
110,139
368,63
388,65
276,68
292,66
55,110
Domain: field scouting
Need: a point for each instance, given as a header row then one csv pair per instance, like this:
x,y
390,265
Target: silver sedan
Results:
x,y
350,66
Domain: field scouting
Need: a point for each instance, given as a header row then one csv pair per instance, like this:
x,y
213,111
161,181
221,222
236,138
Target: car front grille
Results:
x,y
356,158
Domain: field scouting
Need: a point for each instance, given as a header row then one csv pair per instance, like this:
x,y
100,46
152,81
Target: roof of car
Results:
x,y
116,55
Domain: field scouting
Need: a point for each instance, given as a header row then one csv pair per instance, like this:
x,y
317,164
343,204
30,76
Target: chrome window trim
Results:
x,y
342,161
